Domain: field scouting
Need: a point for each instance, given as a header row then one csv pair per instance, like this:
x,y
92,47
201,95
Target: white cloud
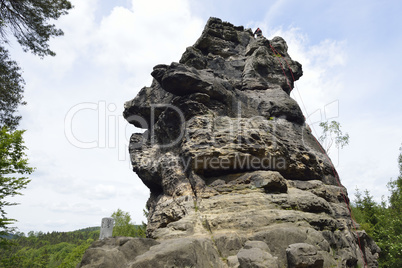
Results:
x,y
102,191
332,75
78,26
103,61
56,223
329,53
135,39
75,208
322,81
275,10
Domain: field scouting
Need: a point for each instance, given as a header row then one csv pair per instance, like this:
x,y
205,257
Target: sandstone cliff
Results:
x,y
236,177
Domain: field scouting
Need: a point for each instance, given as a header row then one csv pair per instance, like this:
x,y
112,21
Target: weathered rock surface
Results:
x,y
302,255
236,177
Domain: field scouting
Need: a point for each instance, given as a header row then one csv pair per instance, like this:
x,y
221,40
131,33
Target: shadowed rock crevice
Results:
x,y
236,177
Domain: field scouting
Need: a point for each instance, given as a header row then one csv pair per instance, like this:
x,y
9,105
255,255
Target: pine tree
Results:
x,y
11,90
28,21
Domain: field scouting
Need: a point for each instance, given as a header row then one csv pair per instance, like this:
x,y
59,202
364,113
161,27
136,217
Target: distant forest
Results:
x,y
56,249
60,249
382,221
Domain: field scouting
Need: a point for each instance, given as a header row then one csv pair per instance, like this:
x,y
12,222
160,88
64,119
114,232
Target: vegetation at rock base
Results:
x,y
60,249
383,221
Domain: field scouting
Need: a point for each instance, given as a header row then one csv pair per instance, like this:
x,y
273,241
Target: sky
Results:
x,y
77,137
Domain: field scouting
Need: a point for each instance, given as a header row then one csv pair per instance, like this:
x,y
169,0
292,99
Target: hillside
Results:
x,y
55,249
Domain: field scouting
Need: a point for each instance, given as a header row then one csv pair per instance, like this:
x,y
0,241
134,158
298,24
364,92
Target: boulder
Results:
x,y
302,255
115,252
236,177
256,254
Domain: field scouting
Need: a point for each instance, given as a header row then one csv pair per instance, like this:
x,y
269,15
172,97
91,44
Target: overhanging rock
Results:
x,y
236,177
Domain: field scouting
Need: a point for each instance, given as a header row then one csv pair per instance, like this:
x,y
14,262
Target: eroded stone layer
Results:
x,y
236,177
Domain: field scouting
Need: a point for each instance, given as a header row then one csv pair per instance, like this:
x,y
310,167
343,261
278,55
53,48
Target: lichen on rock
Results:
x,y
236,177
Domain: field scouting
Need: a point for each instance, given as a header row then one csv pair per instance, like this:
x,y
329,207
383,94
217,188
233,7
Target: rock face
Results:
x,y
236,177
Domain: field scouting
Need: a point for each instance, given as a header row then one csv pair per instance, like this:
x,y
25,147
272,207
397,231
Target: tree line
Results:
x,y
383,220
60,249
55,249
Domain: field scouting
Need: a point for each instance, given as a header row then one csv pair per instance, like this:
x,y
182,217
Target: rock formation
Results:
x,y
236,177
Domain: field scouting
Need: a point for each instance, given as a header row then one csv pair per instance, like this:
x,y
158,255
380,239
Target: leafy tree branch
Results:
x,y
331,134
13,168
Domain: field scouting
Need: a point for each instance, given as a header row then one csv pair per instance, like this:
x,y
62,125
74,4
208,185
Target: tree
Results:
x,y
56,249
384,221
391,239
124,227
28,21
13,167
122,223
332,133
11,90
395,187
369,211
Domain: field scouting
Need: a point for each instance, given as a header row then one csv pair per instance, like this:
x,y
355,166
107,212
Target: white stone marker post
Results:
x,y
106,228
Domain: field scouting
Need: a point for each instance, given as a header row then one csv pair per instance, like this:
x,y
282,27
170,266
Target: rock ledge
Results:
x,y
236,177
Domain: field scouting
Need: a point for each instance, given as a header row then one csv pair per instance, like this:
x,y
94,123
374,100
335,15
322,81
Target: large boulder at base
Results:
x,y
236,177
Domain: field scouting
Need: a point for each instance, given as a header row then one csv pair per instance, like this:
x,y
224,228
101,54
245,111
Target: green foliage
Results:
x,y
56,249
331,132
75,256
60,249
11,89
124,227
367,212
13,165
395,187
383,222
391,236
145,212
28,21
